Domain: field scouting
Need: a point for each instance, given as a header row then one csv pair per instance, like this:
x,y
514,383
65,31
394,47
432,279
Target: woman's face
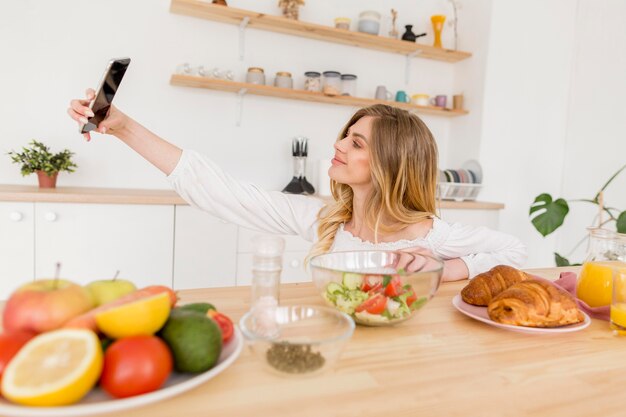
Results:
x,y
351,164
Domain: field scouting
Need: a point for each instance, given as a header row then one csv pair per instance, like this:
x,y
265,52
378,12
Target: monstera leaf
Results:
x,y
547,215
621,222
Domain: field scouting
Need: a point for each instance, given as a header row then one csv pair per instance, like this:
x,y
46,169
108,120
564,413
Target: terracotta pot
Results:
x,y
45,181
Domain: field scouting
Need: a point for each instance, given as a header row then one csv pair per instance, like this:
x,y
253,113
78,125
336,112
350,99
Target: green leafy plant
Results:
x,y
38,157
547,215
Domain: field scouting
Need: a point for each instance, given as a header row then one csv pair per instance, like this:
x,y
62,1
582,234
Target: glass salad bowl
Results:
x,y
299,340
376,288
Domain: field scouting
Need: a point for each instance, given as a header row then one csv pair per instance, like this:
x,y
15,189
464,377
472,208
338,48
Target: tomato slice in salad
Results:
x,y
374,305
394,287
372,283
411,298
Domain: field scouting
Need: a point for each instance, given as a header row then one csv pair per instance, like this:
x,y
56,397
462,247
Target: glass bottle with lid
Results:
x,y
313,81
348,85
606,252
331,83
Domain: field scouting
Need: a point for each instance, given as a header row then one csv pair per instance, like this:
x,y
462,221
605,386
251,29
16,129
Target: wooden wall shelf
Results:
x,y
292,94
227,14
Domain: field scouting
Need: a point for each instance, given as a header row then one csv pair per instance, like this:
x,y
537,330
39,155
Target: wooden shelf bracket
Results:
x,y
242,36
242,92
407,65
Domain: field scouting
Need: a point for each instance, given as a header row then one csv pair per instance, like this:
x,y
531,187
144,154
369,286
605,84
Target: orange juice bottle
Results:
x,y
595,282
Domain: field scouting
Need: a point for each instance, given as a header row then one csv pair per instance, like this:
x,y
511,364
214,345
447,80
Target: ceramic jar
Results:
x,y
255,75
283,80
369,22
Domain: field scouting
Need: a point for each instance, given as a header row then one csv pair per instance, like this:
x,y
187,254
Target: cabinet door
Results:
x,y
205,250
488,218
293,268
92,241
17,246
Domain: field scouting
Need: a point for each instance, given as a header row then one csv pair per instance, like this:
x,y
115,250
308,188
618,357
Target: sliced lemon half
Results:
x,y
54,368
142,317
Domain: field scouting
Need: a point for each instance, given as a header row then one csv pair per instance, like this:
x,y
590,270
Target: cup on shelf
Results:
x,y
382,93
457,102
439,100
421,99
402,97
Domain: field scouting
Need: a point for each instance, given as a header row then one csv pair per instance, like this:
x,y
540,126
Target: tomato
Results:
x,y
394,287
374,305
135,365
226,324
411,298
372,283
10,344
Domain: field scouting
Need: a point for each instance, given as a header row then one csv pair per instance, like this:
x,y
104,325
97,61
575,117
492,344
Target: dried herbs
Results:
x,y
294,358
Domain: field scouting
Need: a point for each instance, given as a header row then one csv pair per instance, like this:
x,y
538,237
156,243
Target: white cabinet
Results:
x,y
205,250
17,248
92,241
296,249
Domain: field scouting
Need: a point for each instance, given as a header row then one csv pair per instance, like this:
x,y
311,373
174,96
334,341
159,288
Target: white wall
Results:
x,y
60,48
554,116
596,129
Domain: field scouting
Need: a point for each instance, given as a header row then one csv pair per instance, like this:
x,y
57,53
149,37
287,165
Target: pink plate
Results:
x,y
480,314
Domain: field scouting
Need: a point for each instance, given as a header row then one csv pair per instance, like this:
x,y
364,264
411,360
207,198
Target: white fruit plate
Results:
x,y
97,401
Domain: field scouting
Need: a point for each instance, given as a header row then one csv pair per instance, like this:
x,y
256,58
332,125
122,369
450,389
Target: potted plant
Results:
x,y
38,158
547,215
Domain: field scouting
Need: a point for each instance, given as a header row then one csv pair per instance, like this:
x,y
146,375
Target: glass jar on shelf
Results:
x,y
283,80
348,85
255,75
313,81
369,22
331,83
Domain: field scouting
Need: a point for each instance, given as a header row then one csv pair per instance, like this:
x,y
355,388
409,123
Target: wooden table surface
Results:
x,y
439,363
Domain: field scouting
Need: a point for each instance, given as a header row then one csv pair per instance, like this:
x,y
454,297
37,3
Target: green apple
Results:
x,y
107,290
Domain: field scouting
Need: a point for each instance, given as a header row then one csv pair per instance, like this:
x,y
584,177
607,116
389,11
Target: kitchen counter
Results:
x,y
28,193
439,363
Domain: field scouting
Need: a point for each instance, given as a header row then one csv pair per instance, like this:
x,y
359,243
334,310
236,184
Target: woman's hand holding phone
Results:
x,y
79,110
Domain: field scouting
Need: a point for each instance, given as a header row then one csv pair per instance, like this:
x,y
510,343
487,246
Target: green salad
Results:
x,y
373,299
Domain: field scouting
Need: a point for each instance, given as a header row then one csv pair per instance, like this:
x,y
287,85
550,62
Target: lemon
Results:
x,y
54,368
143,317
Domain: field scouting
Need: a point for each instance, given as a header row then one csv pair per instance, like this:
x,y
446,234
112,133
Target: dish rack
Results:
x,y
458,191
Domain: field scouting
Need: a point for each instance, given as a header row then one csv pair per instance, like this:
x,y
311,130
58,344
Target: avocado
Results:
x,y
194,339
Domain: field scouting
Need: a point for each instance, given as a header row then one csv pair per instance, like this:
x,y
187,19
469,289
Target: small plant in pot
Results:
x,y
38,159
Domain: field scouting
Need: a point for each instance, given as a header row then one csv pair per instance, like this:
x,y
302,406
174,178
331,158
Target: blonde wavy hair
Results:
x,y
403,164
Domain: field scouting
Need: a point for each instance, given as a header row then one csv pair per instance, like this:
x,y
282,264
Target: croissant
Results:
x,y
535,303
481,290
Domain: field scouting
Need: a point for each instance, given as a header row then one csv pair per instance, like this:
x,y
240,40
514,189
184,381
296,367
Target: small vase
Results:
x,y
409,35
46,181
437,21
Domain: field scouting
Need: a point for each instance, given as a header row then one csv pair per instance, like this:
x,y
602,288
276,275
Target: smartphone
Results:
x,y
110,82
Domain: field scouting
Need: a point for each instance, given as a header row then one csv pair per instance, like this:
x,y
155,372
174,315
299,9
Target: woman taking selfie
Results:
x,y
383,183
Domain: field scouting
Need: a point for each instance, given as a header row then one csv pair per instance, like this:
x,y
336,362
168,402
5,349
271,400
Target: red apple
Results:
x,y
45,305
